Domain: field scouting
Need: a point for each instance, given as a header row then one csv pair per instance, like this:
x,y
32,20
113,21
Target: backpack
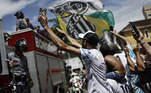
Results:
x,y
29,24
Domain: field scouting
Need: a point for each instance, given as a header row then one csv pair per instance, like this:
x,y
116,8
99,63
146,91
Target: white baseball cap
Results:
x,y
81,35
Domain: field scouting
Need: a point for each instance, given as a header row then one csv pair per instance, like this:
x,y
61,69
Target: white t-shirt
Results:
x,y
122,58
116,87
96,71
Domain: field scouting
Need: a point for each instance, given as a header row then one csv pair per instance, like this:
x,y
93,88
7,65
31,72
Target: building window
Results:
x,y
149,14
146,33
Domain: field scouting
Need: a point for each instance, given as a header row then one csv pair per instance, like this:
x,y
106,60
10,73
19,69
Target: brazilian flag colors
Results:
x,y
79,16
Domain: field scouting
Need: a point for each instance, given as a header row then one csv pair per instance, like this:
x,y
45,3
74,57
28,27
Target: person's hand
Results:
x,y
61,31
138,37
113,32
31,83
11,63
43,21
126,50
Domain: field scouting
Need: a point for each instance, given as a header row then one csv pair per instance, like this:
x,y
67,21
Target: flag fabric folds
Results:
x,y
79,16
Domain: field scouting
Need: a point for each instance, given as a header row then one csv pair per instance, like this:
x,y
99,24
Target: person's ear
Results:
x,y
84,41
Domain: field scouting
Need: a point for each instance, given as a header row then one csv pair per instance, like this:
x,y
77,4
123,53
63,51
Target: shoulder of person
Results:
x,y
12,54
94,50
26,19
90,51
109,57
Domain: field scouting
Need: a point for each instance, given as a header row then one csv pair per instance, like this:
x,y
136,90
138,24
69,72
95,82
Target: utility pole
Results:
x,y
3,67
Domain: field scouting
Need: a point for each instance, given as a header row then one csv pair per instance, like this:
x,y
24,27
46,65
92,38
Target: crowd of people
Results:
x,y
77,82
109,69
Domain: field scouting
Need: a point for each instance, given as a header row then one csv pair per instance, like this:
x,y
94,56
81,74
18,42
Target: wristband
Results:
x,y
142,43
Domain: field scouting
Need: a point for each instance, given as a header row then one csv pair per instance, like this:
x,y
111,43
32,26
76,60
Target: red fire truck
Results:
x,y
45,64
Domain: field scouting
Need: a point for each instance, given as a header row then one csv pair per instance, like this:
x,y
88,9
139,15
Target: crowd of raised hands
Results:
x,y
140,64
123,66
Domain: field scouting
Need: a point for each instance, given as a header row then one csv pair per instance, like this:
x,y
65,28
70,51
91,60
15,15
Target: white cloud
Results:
x,y
125,11
44,3
9,6
34,19
41,3
13,29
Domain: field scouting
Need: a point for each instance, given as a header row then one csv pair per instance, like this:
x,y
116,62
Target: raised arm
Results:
x,y
127,41
143,43
139,61
72,40
57,41
130,63
121,37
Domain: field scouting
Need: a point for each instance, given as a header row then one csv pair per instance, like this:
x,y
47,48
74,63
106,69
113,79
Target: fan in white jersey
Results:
x,y
94,61
120,87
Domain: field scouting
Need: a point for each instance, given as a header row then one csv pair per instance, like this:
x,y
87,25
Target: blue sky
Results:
x,y
123,11
30,8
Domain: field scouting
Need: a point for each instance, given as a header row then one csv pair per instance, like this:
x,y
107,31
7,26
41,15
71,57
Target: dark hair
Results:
x,y
110,49
19,14
92,39
105,50
113,48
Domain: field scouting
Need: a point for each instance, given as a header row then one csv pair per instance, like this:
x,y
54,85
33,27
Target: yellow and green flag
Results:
x,y
79,16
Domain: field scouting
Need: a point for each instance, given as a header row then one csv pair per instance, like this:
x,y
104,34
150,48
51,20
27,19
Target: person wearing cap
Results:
x,y
21,21
37,28
93,58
